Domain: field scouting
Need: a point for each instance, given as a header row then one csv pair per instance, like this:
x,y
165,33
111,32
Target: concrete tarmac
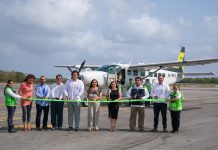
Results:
x,y
198,129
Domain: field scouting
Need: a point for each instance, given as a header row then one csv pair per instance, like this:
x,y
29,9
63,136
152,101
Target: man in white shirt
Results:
x,y
74,88
57,91
160,90
137,107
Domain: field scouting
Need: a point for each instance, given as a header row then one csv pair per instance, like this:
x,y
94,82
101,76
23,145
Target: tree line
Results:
x,y
199,80
12,75
19,77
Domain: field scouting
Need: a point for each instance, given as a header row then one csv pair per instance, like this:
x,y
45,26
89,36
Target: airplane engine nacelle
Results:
x,y
100,76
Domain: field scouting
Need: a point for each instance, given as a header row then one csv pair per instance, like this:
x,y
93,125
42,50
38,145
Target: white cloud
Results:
x,y
211,22
185,22
58,15
151,27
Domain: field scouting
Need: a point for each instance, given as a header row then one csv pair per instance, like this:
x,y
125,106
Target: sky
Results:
x,y
36,35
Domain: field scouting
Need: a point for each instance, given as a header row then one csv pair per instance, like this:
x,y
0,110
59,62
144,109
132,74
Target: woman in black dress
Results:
x,y
113,107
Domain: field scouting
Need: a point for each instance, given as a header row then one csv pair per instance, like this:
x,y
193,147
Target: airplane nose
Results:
x,y
88,76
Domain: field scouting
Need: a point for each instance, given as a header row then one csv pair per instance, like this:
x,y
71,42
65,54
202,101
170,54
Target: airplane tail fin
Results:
x,y
181,58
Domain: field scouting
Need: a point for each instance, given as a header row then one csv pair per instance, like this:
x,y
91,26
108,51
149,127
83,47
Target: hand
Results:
x,y
156,97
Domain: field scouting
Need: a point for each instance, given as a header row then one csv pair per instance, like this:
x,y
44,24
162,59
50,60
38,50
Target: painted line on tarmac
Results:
x,y
5,118
32,126
200,98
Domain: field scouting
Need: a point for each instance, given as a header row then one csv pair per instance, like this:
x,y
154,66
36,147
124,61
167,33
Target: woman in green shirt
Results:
x,y
10,102
175,107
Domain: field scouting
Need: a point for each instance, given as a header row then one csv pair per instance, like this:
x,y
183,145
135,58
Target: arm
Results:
x,y
12,94
48,91
52,87
153,91
167,91
65,91
81,89
20,89
128,94
120,95
146,93
37,92
179,95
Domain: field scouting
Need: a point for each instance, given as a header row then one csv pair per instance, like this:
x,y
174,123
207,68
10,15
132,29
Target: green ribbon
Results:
x,y
103,101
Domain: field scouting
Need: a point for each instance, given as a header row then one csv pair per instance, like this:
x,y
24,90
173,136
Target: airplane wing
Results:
x,y
199,74
176,64
93,67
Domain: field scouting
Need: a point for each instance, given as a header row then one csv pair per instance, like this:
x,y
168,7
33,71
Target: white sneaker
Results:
x,y
89,129
96,128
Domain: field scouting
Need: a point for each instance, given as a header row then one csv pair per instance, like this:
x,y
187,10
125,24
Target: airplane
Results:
x,y
105,74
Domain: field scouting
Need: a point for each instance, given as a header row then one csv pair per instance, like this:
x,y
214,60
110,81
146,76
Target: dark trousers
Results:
x,y
160,107
39,109
175,117
57,114
11,111
26,113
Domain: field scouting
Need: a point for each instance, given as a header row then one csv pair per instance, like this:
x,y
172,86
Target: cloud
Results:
x,y
69,31
50,14
150,28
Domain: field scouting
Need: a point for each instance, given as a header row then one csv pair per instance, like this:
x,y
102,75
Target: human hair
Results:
x,y
29,76
42,76
75,71
90,86
176,84
160,76
9,81
58,75
110,86
138,78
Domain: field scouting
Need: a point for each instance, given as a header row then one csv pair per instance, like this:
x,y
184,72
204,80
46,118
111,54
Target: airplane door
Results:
x,y
112,76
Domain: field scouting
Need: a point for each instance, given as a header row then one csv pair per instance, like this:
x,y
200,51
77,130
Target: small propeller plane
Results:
x,y
172,71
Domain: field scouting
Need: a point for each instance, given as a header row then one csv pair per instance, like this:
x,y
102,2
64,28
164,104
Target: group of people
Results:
x,y
73,90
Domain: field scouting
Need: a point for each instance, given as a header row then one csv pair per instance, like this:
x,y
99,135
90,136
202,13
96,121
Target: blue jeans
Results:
x,y
11,111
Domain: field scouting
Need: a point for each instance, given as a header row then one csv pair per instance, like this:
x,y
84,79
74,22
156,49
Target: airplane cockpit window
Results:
x,y
111,69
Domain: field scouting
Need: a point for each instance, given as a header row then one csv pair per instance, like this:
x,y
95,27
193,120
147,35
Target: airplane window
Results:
x,y
135,72
129,72
142,72
151,74
111,69
155,74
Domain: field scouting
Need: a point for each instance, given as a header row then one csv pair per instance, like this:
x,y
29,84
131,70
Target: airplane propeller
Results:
x,y
81,66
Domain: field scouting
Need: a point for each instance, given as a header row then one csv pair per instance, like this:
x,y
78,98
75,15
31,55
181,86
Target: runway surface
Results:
x,y
198,131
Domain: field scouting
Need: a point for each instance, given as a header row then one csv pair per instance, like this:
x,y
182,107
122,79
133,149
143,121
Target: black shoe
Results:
x,y
174,131
76,129
131,130
60,128
165,130
154,130
54,128
141,129
70,128
45,128
12,131
38,128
